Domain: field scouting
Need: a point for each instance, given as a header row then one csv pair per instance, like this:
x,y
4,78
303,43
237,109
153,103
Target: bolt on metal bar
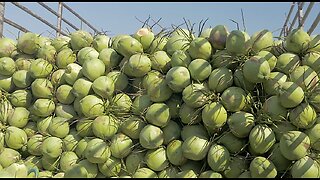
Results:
x,y
56,14
2,7
295,17
59,18
307,13
76,14
13,24
36,16
314,24
287,19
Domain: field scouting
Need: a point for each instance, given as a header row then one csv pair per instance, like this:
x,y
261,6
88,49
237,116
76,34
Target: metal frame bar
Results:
x,y
36,16
307,13
283,30
314,24
57,14
296,16
82,20
13,24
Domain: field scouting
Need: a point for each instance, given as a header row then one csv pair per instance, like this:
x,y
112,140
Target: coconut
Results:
x,y
144,173
195,95
200,48
236,166
294,145
256,69
214,115
67,160
19,117
174,104
241,123
6,83
15,138
120,80
121,145
7,66
272,59
262,40
110,58
174,153
176,42
59,127
134,161
287,62
42,88
220,79
58,78
171,132
91,106
290,94
238,43
279,161
7,47
103,86
72,73
51,147
151,137
218,37
218,158
40,68
195,148
261,139
160,61
240,81
84,127
169,172
60,43
232,142
28,43
272,84
21,98
129,46
234,99
178,78
157,44
138,65
314,135
305,77
120,104
303,116
145,36
297,41
104,127
9,156
158,114
312,60
100,42
111,167
65,57
93,69
180,58
305,167
47,52
92,169
274,110
200,69
156,159
132,126
80,39
281,127
260,167
194,130
97,151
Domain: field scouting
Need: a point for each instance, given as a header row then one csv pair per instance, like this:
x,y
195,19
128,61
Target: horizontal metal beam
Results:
x,y
56,14
36,16
76,14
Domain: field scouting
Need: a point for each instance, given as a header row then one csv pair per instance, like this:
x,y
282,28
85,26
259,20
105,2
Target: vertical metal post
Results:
x,y
300,14
59,19
2,4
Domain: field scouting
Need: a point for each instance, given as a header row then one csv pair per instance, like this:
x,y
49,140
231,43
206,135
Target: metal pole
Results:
x,y
76,14
2,4
314,24
59,18
295,17
56,14
307,13
300,14
36,16
285,23
13,24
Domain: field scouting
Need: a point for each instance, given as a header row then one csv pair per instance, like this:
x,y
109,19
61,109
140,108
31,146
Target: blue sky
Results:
x,y
119,17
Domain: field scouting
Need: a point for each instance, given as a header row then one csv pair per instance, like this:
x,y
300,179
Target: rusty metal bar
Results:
x,y
13,24
314,24
307,13
295,17
76,14
36,16
56,14
59,18
287,19
2,7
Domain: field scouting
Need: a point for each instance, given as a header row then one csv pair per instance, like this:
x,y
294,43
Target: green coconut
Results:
x,y
65,57
6,83
72,72
157,44
59,127
159,91
305,77
158,114
51,147
303,116
174,104
80,39
232,142
294,145
223,59
290,94
151,137
15,138
218,37
144,173
272,59
110,58
28,43
97,151
305,167
274,110
200,69
297,41
138,65
281,127
241,123
220,79
237,165
261,139
132,126
160,61
214,115
262,40
180,58
7,66
42,88
67,160
120,80
189,115
260,167
238,43
47,52
121,145
279,161
312,60
240,81
234,99
195,95
20,98
256,69
176,42
195,148
111,167
145,36
40,68
82,87
60,43
178,78
91,106
105,127
93,69
134,161
200,48
156,159
19,117
58,78
129,46
100,42
218,158
174,153
7,47
287,62
272,84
